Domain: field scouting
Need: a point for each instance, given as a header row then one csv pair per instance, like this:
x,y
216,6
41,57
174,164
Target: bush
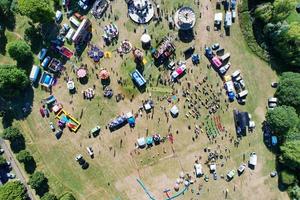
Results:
x,y
294,192
20,51
287,177
17,141
2,161
26,158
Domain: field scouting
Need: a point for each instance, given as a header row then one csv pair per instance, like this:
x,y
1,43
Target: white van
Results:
x,y
74,21
242,94
70,34
225,57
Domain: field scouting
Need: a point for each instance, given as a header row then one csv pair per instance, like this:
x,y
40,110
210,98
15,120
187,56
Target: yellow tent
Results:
x,y
107,54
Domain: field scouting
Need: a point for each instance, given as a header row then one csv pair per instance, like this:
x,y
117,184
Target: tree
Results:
x,y
288,91
2,161
27,159
36,10
282,9
49,196
13,190
17,141
281,119
294,192
287,177
39,183
21,52
24,156
264,12
12,81
291,154
67,196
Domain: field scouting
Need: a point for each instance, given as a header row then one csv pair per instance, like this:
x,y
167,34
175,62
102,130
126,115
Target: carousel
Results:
x,y
141,11
185,18
104,74
125,47
95,53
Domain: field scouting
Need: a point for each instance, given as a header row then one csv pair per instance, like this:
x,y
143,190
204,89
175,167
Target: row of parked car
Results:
x,y
230,175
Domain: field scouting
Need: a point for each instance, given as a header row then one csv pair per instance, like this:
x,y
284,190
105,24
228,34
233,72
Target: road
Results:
x,y
18,171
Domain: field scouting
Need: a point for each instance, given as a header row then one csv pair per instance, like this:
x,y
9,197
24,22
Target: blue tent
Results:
x,y
274,140
195,59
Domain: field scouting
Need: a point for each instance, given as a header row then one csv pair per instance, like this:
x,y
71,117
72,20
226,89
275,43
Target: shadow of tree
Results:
x,y
3,42
30,166
33,35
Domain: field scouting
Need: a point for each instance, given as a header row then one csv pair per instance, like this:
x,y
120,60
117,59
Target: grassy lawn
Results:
x,y
112,173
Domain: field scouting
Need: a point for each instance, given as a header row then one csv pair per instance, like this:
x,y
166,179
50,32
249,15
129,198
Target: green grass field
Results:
x,y
112,173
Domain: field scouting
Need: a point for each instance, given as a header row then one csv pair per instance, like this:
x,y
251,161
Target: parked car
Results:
x,y
273,174
11,175
1,151
224,68
198,169
241,169
272,102
52,126
230,175
171,65
46,62
252,160
42,54
58,16
274,84
215,176
215,46
82,5
95,131
90,151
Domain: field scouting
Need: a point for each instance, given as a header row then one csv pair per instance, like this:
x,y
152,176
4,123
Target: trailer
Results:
x,y
253,160
228,19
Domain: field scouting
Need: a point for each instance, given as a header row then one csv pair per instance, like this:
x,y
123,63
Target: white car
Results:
x,y
11,175
272,102
198,169
82,5
241,169
225,68
1,151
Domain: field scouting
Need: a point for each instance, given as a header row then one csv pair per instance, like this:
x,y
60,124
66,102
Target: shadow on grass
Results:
x,y
3,42
18,108
30,166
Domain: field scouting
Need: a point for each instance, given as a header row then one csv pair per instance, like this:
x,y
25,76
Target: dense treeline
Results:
x,y
276,27
284,122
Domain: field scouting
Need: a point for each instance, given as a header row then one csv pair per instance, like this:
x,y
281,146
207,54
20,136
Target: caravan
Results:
x,y
35,70
242,94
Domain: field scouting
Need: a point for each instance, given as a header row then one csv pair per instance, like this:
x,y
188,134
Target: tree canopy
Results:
x,y
5,6
12,81
291,154
13,190
281,119
288,91
287,177
294,192
36,10
39,183
49,196
20,51
282,9
67,196
17,141
24,156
